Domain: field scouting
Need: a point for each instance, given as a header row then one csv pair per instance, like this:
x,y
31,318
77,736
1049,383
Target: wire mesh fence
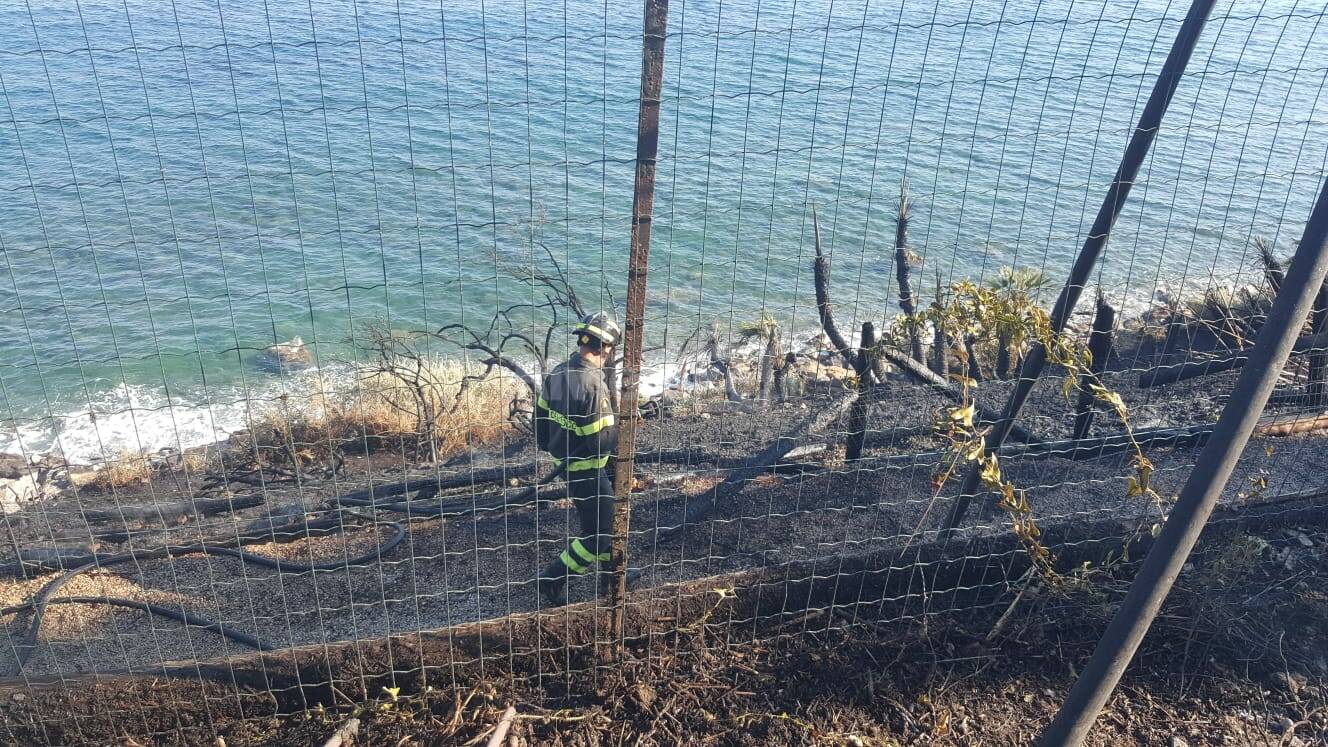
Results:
x,y
284,285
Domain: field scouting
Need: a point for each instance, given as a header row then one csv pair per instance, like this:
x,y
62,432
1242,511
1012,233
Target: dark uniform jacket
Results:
x,y
574,420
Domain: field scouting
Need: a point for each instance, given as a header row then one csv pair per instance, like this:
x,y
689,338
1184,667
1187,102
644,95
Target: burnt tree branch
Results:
x,y
1099,347
907,300
821,284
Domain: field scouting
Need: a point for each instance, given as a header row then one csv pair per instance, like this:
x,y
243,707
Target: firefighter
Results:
x,y
576,424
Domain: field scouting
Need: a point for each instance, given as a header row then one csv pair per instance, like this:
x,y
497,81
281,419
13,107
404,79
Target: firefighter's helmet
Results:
x,y
600,326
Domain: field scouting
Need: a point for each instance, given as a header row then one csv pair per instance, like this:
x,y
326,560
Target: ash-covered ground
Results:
x,y
478,564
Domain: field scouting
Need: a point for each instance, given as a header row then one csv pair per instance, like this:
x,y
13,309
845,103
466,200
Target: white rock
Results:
x,y
291,354
1178,742
1300,537
26,489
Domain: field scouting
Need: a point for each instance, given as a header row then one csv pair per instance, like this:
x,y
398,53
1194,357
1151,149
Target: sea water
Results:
x,y
183,184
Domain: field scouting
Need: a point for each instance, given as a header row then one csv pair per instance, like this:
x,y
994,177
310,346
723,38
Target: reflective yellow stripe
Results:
x,y
592,328
587,555
556,416
591,429
572,565
577,465
563,421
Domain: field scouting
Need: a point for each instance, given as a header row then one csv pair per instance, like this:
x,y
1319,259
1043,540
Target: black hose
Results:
x,y
153,609
43,598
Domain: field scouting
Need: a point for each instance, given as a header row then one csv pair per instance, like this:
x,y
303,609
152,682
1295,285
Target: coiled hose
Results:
x,y
230,547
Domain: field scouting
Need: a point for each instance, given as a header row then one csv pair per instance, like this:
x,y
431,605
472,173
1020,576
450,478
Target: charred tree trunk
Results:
x,y
1099,346
730,391
857,413
770,362
1272,269
940,362
907,300
875,361
781,372
971,352
1002,355
940,344
721,365
821,283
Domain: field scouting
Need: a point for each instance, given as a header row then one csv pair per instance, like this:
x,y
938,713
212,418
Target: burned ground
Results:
x,y
479,563
1235,658
814,513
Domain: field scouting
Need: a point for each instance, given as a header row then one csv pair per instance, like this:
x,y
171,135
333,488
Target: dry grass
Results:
x,y
404,407
126,470
198,462
462,412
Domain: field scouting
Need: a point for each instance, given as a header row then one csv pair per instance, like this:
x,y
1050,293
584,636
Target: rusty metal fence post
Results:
x,y
1205,484
643,202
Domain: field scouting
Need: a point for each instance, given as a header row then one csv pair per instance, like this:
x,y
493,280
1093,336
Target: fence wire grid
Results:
x,y
282,283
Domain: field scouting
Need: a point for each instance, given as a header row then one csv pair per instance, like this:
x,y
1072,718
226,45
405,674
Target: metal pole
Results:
x,y
1149,122
1202,489
643,202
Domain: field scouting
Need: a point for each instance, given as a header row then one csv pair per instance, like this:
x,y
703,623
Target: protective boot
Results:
x,y
552,585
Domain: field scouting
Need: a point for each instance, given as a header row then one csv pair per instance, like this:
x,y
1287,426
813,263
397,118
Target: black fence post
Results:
x,y
1205,484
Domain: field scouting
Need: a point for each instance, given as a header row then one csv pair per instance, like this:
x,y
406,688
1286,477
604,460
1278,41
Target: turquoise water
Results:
x,y
183,185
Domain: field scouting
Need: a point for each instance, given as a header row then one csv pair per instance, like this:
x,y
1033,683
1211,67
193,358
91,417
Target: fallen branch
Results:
x,y
768,457
424,505
1088,448
1031,588
47,558
344,736
259,478
1194,369
1187,436
1287,425
694,455
436,484
500,731
172,511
